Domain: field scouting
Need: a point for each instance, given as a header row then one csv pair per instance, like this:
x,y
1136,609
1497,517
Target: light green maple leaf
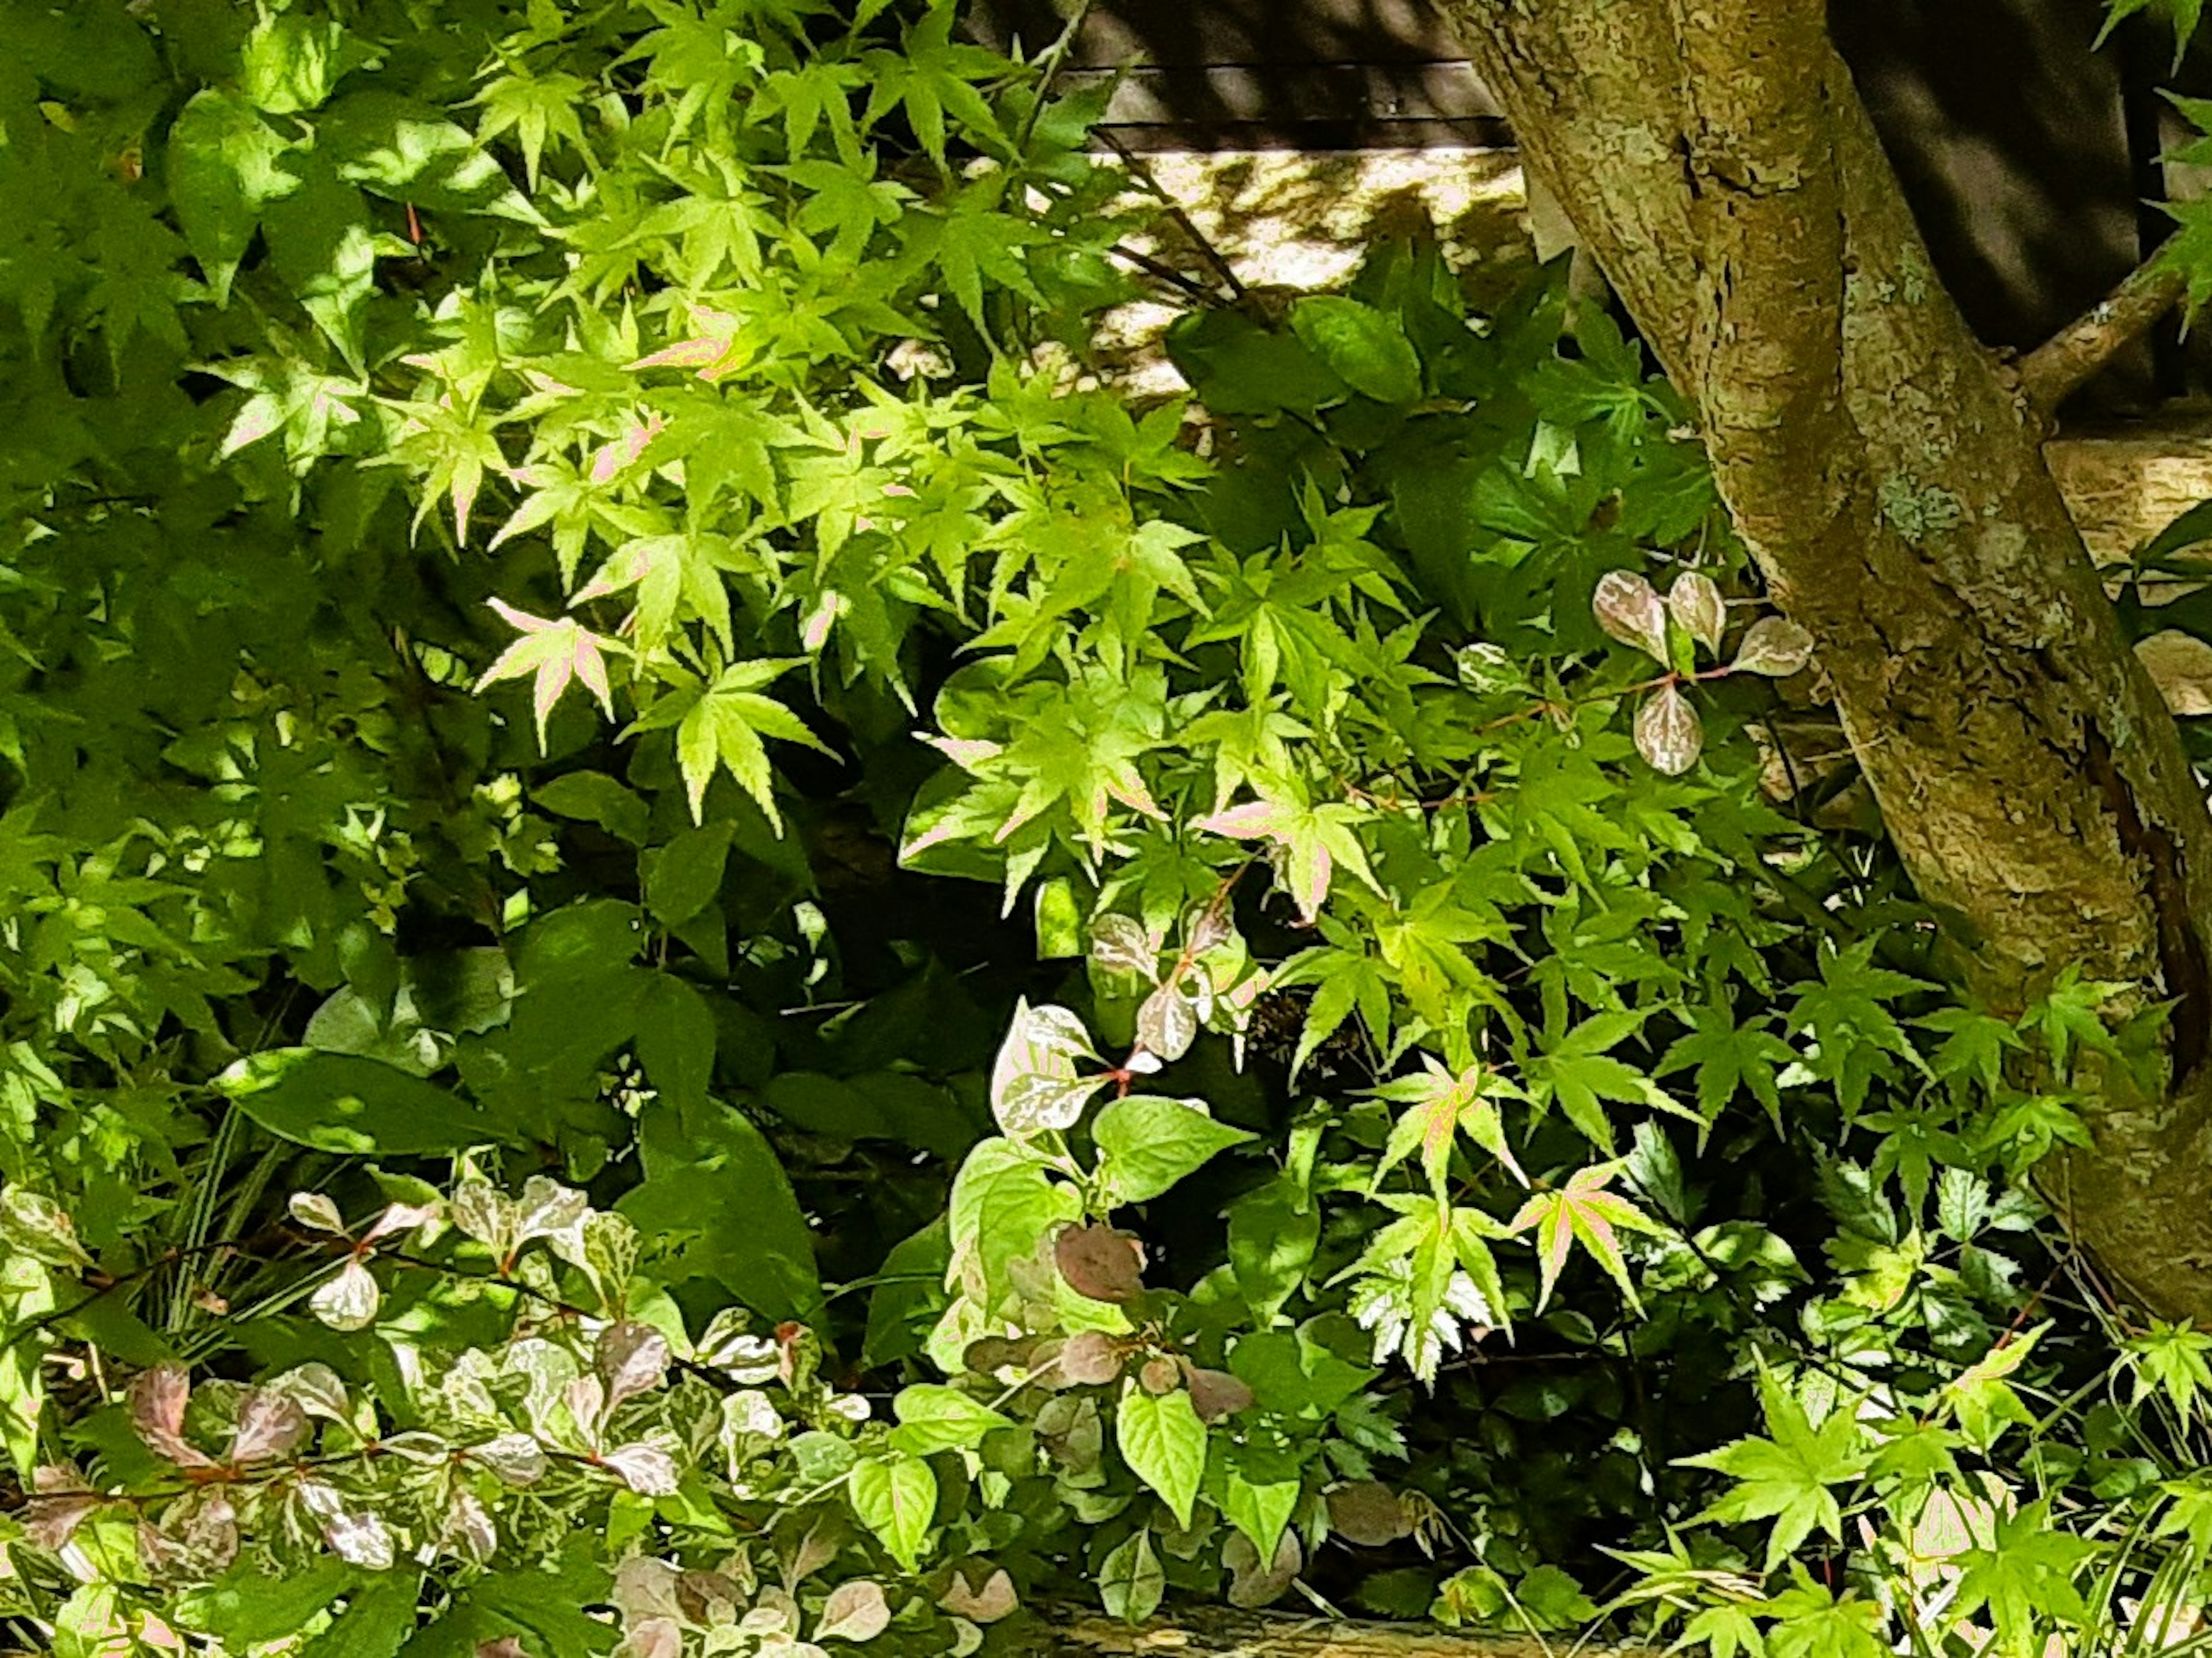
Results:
x,y
1785,1477
723,726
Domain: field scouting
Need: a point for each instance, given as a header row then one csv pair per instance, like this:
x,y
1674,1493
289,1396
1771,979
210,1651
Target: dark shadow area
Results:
x,y
1265,74
2011,136
2028,154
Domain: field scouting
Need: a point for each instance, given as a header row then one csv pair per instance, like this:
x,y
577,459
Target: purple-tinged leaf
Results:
x,y
1101,1262
1695,602
1167,1024
855,1611
158,1398
986,1605
1215,1393
1629,609
270,1425
1090,1358
1773,646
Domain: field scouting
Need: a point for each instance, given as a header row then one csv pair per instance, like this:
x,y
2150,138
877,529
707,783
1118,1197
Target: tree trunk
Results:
x,y
1887,472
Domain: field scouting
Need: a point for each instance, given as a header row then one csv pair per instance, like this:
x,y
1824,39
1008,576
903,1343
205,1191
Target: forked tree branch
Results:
x,y
2069,359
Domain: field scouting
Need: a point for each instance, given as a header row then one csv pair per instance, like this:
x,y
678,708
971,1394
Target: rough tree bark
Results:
x,y
1886,471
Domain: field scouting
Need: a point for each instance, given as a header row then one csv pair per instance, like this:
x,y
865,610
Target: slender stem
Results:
x,y
1049,66
1145,176
1168,274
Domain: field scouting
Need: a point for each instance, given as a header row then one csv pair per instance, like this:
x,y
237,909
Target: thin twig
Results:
x,y
1168,274
2069,359
1143,175
1050,65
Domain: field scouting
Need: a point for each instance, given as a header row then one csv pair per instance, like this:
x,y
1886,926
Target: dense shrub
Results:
x,y
689,932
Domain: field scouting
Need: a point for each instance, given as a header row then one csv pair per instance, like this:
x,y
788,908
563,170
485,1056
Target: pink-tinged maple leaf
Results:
x,y
1253,820
704,351
1124,785
553,652
611,458
1583,1211
625,567
966,752
1310,873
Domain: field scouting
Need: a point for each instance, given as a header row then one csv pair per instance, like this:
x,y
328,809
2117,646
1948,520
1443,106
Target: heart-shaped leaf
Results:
x,y
1695,602
1667,733
1775,646
1627,607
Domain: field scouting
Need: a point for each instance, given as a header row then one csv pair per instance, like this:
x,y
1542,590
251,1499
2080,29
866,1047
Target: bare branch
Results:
x,y
1174,209
2069,359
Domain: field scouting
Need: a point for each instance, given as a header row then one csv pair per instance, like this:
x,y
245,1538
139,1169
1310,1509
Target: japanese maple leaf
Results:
x,y
553,652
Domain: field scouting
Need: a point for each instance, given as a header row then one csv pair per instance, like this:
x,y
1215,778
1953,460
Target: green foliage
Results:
x,y
1091,998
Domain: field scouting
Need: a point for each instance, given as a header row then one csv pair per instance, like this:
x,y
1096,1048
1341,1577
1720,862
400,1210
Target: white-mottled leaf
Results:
x,y
549,1208
400,1218
316,1212
855,1611
1629,609
50,1521
1034,1103
1211,930
1667,733
1775,646
158,1398
315,1388
34,1224
350,1301
632,1358
1118,944
424,1450
486,1214
645,1469
359,1539
517,1459
1167,1024
269,1425
1695,605
1033,1081
586,1396
469,1531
